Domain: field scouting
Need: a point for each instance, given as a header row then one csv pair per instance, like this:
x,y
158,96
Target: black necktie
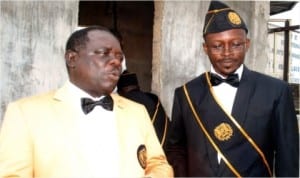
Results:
x,y
88,104
232,79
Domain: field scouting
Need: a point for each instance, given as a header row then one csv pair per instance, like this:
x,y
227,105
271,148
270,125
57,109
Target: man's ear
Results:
x,y
70,57
204,45
248,42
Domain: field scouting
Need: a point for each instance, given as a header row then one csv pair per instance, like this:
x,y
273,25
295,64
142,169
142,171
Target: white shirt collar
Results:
x,y
239,71
79,93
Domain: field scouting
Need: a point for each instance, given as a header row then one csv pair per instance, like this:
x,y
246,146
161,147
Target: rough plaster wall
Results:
x,y
157,37
33,35
259,28
177,46
256,16
181,47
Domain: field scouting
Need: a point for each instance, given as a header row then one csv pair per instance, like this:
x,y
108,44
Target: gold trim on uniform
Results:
x,y
223,132
142,156
218,10
234,18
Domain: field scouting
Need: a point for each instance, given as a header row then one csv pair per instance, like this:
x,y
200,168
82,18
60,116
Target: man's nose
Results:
x,y
227,49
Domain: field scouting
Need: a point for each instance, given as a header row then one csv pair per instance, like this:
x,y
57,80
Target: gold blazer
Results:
x,y
38,138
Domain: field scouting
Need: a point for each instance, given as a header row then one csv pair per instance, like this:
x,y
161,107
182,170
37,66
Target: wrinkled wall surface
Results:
x,y
33,35
177,42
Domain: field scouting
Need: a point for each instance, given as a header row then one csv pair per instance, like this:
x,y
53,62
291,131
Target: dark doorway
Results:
x,y
134,21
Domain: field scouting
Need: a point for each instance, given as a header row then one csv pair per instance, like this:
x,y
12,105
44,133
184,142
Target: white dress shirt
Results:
x,y
98,137
226,93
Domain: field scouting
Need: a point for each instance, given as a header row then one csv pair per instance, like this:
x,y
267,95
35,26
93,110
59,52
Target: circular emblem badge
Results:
x,y
142,156
234,18
223,132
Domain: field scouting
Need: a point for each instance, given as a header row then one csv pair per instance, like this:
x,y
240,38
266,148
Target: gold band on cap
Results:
x,y
218,10
208,23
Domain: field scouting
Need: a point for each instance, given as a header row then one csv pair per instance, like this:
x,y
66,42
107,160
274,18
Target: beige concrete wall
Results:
x,y
33,36
177,42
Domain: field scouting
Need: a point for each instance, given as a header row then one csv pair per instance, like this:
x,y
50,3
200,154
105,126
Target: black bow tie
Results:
x,y
88,104
232,79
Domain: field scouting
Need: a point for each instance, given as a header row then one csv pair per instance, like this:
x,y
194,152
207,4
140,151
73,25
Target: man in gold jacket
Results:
x,y
82,129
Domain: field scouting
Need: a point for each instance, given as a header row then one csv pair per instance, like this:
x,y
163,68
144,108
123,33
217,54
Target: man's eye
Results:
x,y
235,45
217,47
119,56
101,52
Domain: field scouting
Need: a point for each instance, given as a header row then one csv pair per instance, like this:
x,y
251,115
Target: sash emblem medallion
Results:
x,y
223,132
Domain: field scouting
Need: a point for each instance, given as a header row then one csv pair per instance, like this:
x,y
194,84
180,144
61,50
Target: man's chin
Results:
x,y
112,88
229,70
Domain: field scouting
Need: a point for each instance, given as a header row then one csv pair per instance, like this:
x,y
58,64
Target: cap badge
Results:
x,y
223,132
234,18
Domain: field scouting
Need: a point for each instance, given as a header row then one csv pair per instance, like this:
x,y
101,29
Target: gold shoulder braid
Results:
x,y
155,113
235,172
166,122
165,131
244,133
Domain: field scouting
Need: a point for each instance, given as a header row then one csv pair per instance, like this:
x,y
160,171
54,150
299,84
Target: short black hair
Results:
x,y
79,38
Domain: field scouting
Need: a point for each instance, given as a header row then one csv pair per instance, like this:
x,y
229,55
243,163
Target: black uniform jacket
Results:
x,y
263,107
156,111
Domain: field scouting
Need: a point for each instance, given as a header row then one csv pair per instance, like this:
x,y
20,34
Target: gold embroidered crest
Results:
x,y
234,18
223,132
142,156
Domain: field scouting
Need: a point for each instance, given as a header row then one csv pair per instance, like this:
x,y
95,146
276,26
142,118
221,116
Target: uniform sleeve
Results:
x,y
286,134
15,145
157,165
175,143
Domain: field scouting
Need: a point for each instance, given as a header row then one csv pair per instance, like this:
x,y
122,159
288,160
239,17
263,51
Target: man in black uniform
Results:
x,y
232,121
128,87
